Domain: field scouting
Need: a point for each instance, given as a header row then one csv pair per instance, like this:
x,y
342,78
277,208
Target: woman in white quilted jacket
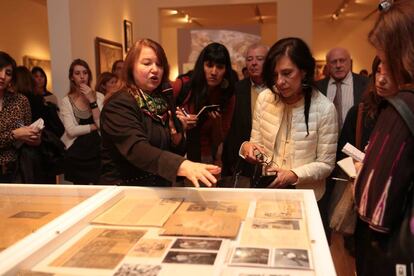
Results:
x,y
295,127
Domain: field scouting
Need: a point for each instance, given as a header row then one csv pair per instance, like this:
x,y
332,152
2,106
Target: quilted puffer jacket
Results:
x,y
313,156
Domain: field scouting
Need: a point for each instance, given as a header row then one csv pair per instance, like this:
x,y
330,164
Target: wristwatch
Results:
x,y
93,105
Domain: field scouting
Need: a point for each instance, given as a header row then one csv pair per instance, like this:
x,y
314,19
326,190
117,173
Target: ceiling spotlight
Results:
x,y
173,12
340,10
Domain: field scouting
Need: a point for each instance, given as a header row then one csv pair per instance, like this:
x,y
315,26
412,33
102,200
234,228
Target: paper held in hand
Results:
x,y
209,108
39,124
353,152
347,164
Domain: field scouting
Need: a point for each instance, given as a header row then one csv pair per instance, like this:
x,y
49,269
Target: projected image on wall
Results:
x,y
235,41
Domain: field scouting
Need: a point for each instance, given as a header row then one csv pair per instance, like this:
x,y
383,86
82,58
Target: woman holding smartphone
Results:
x,y
211,83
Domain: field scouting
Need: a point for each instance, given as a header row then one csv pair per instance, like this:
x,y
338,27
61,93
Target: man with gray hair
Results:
x,y
246,91
342,87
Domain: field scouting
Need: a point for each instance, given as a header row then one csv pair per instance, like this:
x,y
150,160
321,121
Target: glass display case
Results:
x,y
29,214
178,231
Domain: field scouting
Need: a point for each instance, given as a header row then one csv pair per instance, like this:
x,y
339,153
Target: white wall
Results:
x,y
169,42
86,21
24,29
349,34
295,15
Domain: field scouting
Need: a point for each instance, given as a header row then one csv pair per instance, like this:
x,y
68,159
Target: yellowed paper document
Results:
x,y
276,233
99,248
134,211
279,209
215,208
202,225
150,248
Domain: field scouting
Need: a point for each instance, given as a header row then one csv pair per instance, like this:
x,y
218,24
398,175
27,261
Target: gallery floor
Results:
x,y
344,263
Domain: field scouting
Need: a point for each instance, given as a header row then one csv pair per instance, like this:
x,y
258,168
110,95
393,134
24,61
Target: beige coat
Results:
x,y
313,156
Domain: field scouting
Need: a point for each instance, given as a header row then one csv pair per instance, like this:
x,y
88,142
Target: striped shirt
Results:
x,y
347,87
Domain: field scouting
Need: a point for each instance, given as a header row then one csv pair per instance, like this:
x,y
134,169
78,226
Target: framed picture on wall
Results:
x,y
128,35
106,53
319,67
31,62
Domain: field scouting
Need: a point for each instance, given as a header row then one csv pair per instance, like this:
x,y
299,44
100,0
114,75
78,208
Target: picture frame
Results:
x,y
30,62
128,35
106,53
319,67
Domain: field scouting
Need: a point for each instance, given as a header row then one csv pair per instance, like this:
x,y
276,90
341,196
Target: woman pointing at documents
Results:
x,y
142,138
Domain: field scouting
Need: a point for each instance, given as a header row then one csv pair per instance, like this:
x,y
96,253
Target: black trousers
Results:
x,y
8,172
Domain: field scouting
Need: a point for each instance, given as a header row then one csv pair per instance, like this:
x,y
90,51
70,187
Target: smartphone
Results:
x,y
208,108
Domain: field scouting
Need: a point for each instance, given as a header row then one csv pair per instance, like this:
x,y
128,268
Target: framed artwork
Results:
x,y
106,53
128,35
31,62
319,67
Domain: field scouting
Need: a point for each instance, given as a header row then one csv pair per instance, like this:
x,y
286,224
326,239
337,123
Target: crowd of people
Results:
x,y
139,128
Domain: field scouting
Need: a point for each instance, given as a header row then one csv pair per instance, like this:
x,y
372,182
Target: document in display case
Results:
x,y
26,208
186,231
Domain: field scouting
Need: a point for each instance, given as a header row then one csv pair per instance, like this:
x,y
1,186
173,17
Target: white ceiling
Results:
x,y
246,14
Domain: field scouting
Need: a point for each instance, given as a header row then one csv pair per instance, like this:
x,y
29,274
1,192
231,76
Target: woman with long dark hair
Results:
x,y
295,127
40,85
142,138
15,118
212,82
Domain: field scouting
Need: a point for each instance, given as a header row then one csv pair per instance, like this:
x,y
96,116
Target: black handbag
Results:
x,y
400,245
259,180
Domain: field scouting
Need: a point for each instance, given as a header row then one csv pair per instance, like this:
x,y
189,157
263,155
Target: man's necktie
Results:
x,y
338,103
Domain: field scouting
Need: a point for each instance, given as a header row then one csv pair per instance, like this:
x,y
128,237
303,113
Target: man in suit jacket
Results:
x,y
338,62
246,91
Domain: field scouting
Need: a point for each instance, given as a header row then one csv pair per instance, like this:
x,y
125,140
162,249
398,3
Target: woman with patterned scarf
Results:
x,y
142,138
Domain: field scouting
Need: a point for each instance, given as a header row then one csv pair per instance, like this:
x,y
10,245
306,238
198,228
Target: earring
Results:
x,y
305,83
224,84
385,5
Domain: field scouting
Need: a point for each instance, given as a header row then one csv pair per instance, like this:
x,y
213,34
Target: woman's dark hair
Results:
x,y
299,53
370,98
37,69
218,54
132,58
393,34
83,63
5,60
115,64
24,82
103,78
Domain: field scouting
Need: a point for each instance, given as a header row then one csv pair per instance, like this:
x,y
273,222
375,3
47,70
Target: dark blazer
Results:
x,y
241,126
136,149
360,83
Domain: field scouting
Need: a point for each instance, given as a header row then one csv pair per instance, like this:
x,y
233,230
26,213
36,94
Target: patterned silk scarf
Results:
x,y
153,105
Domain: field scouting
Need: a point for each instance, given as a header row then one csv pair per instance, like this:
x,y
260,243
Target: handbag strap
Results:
x,y
403,109
358,133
